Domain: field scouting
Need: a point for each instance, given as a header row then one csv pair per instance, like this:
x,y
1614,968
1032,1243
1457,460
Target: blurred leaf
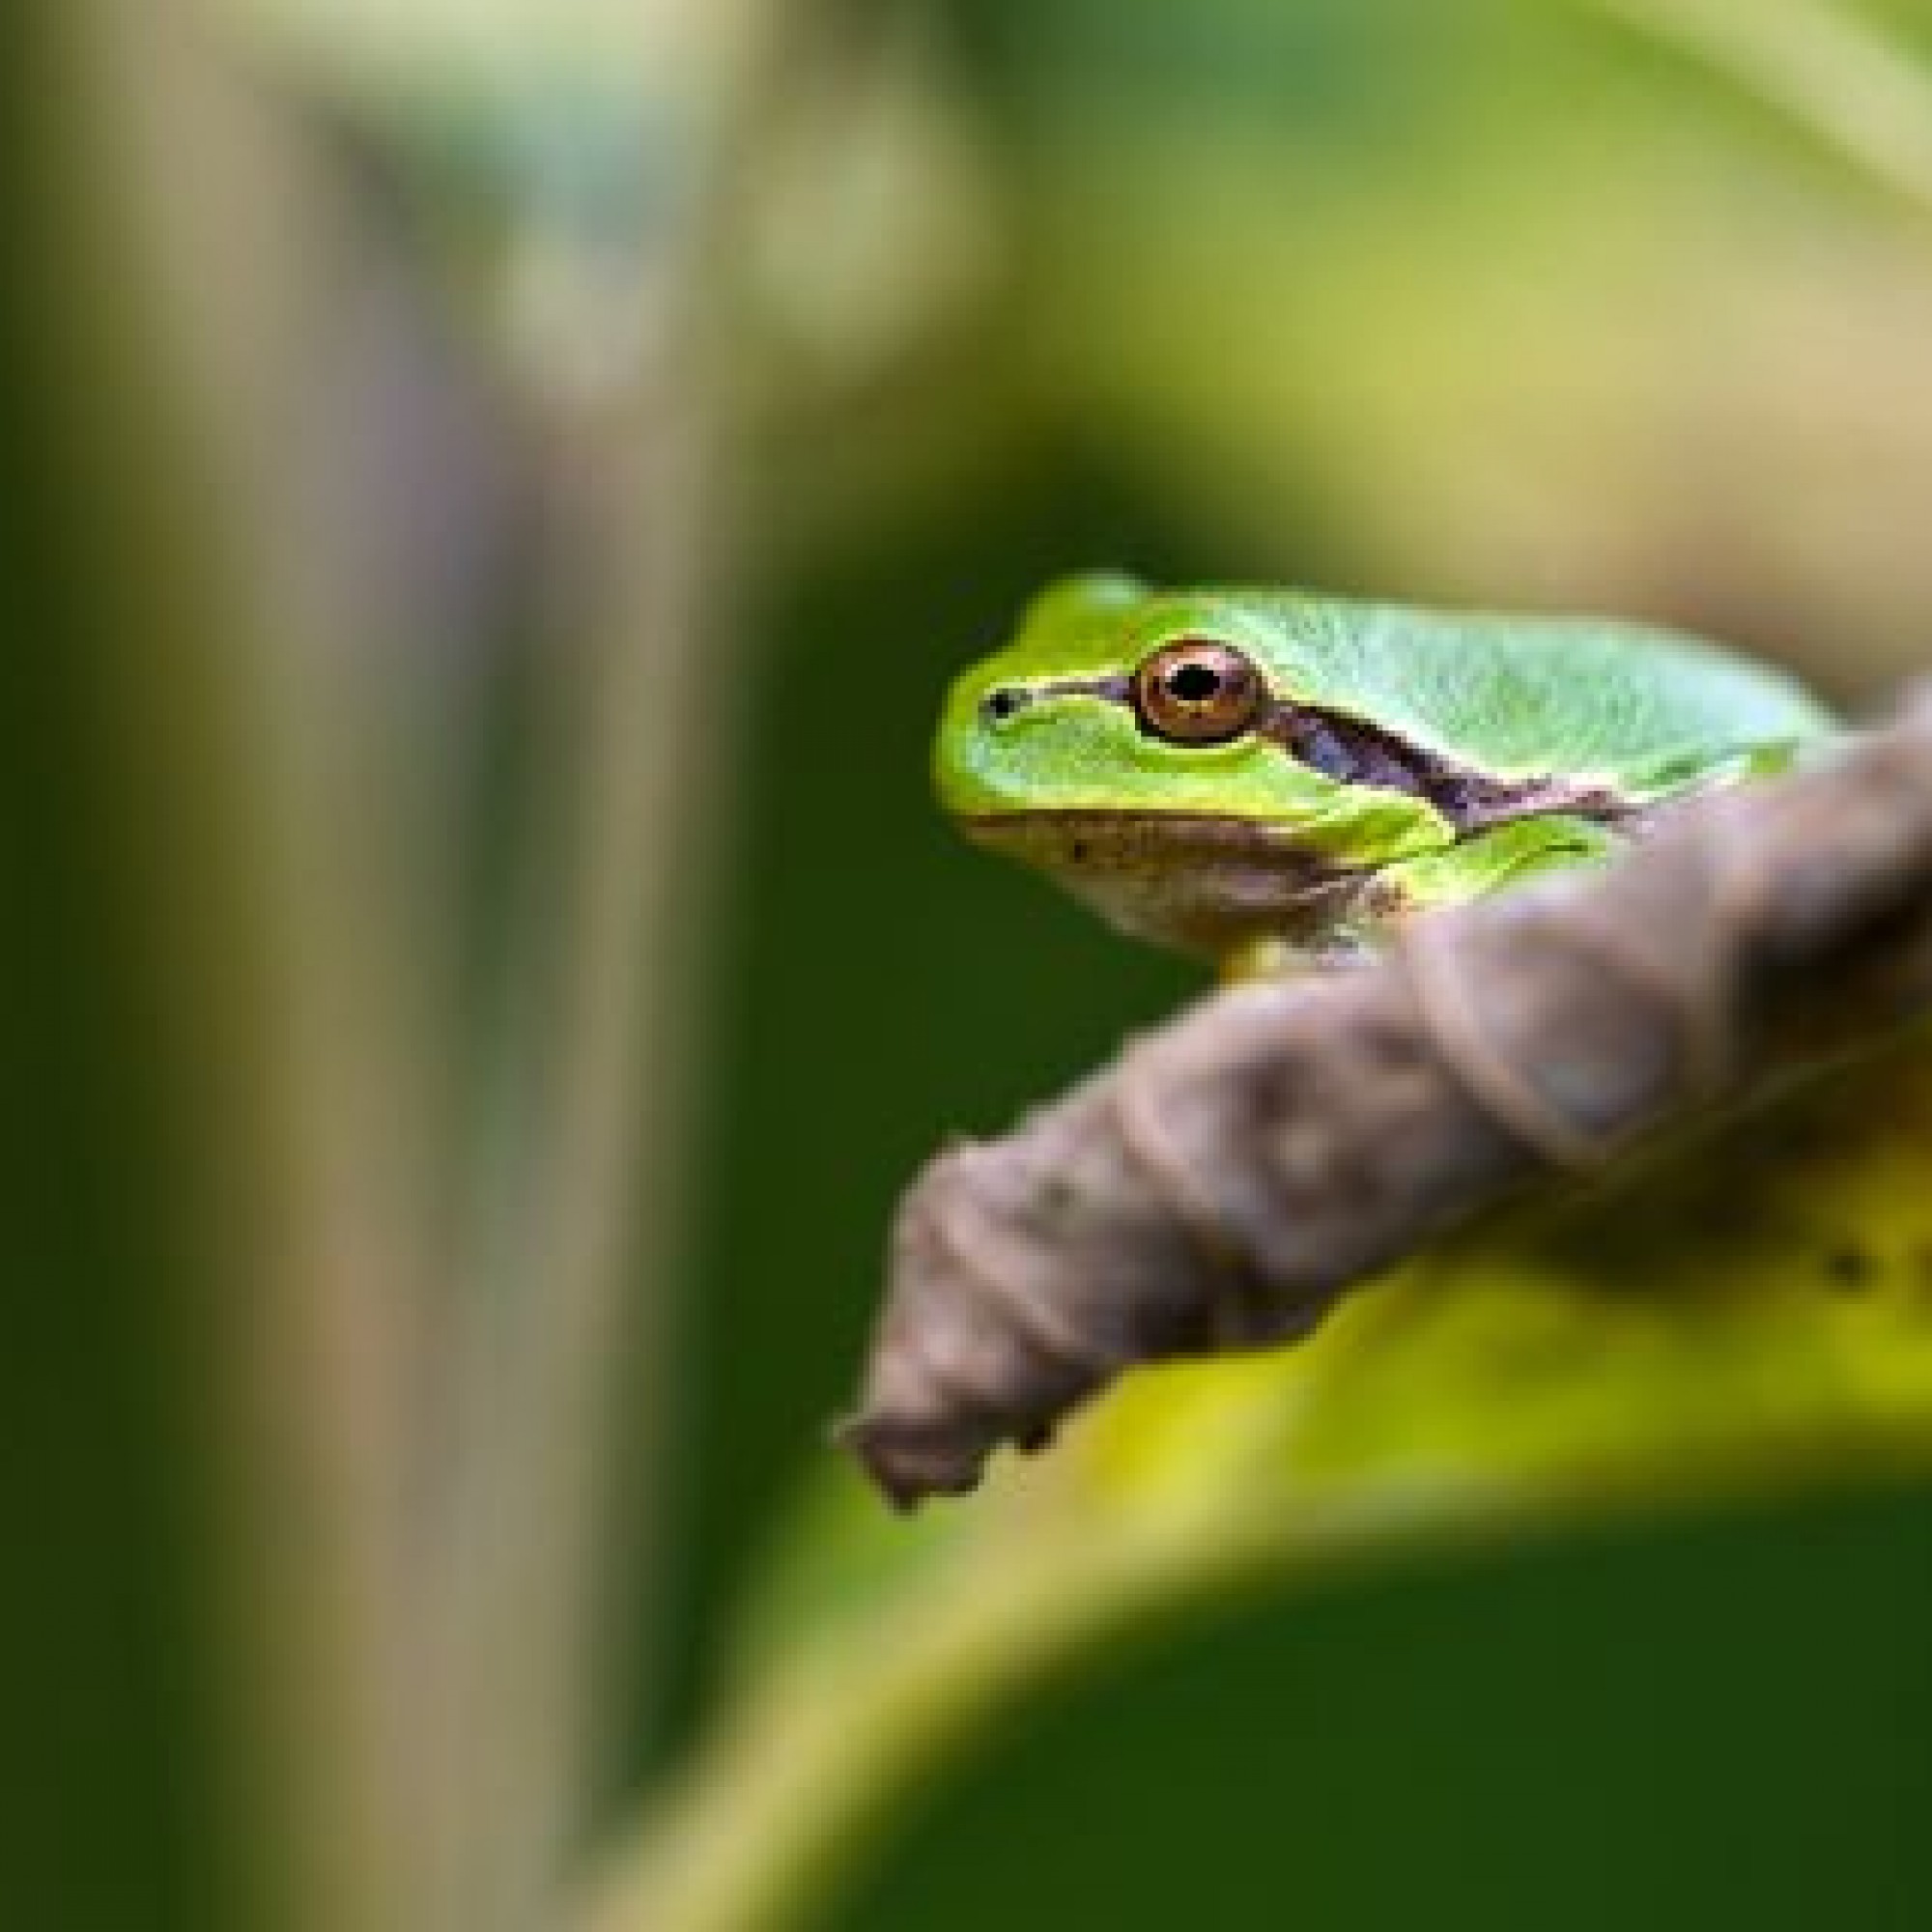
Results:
x,y
1831,68
1539,309
1753,1315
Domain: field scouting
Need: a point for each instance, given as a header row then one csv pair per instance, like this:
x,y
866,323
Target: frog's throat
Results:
x,y
1207,885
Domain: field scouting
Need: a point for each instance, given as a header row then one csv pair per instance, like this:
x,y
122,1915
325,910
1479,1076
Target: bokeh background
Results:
x,y
493,493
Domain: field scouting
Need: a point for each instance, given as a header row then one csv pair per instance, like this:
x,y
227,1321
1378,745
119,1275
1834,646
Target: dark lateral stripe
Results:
x,y
1352,752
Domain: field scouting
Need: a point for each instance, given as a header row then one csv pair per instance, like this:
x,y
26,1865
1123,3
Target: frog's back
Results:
x,y
1652,709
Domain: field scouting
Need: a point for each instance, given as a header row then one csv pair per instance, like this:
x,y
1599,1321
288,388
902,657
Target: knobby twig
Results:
x,y
1227,1177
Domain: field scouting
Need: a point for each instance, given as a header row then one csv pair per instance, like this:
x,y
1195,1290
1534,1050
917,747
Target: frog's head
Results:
x,y
1142,748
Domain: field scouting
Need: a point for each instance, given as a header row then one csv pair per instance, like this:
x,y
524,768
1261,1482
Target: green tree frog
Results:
x,y
1268,777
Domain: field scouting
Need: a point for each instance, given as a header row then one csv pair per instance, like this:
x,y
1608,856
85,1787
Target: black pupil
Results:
x,y
1194,683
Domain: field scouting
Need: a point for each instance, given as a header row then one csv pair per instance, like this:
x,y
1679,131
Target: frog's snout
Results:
x,y
1001,702
974,764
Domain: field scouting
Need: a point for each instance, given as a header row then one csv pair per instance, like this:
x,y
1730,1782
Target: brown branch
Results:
x,y
1227,1177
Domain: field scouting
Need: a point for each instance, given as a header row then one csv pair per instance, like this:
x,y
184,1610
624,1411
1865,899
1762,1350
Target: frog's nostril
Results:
x,y
999,705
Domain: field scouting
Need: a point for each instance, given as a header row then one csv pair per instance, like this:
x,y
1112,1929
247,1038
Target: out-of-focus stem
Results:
x,y
290,1320
287,1109
559,1330
576,1267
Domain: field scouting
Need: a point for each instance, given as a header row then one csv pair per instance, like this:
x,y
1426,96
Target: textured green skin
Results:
x,y
1647,712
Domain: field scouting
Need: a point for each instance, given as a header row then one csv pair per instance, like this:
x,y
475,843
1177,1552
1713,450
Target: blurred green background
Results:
x,y
550,460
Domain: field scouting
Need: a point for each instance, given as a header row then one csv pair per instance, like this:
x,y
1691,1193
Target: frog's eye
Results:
x,y
1196,691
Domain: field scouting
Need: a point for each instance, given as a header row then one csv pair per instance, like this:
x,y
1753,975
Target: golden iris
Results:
x,y
1197,692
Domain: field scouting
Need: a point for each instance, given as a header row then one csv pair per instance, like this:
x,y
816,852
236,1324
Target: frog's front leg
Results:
x,y
1486,862
1473,868
1269,957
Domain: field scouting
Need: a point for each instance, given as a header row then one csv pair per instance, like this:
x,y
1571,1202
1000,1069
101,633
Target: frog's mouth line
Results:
x,y
1104,839
1194,880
